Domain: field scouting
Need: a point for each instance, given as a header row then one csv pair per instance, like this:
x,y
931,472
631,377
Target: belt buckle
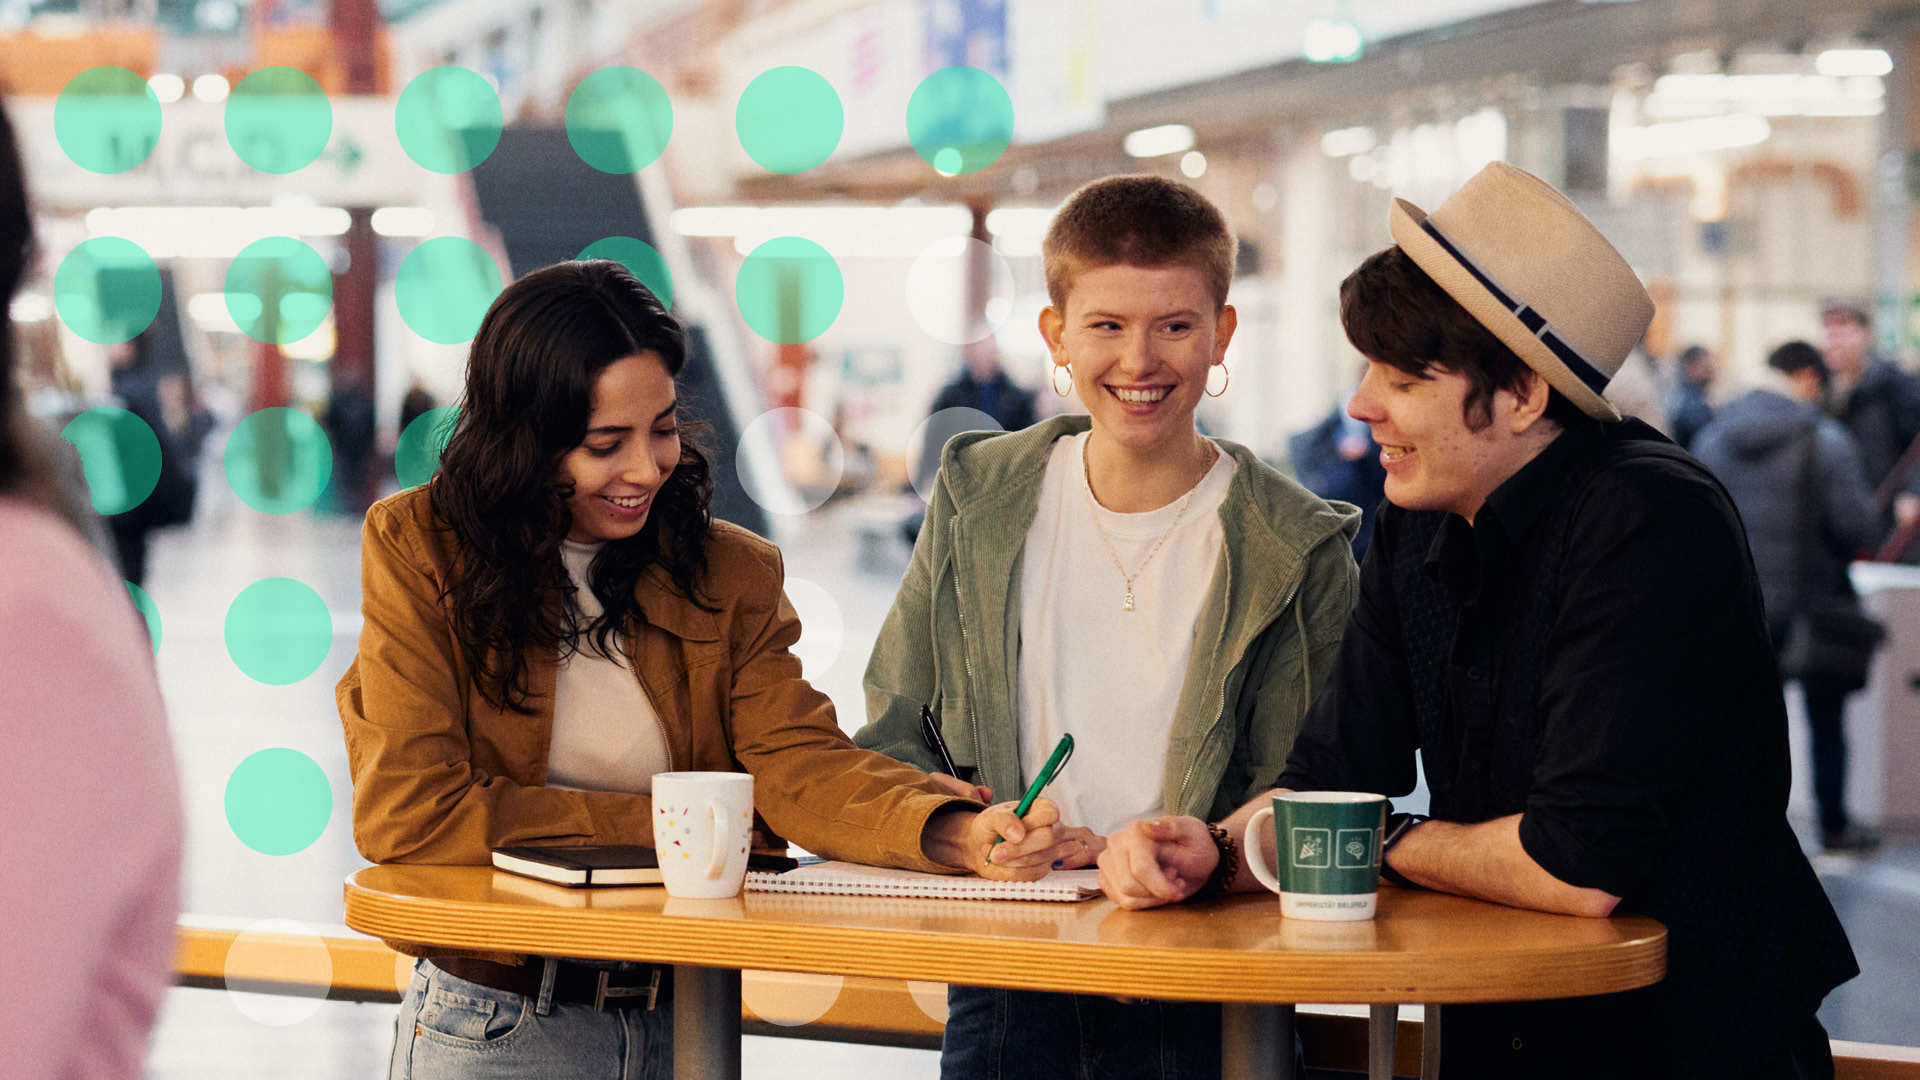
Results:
x,y
601,991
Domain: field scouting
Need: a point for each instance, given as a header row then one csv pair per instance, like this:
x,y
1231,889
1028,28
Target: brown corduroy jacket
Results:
x,y
440,775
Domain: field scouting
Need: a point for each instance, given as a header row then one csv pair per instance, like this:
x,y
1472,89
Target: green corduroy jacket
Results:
x,y
1265,641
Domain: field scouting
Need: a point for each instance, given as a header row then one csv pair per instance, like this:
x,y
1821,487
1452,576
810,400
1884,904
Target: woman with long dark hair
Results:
x,y
555,618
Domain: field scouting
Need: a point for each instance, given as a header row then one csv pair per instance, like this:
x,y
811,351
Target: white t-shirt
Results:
x,y
606,736
1109,676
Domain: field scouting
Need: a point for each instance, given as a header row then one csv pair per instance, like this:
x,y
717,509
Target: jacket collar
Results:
x,y
663,606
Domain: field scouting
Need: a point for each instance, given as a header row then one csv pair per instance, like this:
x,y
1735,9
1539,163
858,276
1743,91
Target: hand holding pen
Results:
x,y
1029,835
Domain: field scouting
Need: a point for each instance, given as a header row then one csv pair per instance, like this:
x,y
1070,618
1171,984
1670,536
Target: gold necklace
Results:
x,y
1094,509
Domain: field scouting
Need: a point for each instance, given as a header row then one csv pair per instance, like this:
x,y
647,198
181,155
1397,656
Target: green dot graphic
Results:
x,y
279,120
278,631
619,119
119,456
278,460
278,801
789,119
789,290
107,290
963,113
279,290
640,259
107,119
148,610
443,288
448,119
417,454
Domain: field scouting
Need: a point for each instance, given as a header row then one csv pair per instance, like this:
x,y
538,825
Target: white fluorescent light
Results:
x,y
845,231
1157,141
403,221
1704,135
1194,164
1329,41
1843,62
167,87
712,220
318,345
1020,220
211,88
209,311
1765,95
214,232
30,307
1346,142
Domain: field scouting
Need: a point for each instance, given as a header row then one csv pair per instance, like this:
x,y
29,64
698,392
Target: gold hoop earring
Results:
x,y
1226,379
1055,378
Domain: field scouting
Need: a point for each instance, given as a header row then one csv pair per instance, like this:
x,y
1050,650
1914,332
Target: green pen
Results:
x,y
1055,762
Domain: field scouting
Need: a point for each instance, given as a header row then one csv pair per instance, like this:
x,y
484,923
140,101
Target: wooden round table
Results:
x,y
1422,947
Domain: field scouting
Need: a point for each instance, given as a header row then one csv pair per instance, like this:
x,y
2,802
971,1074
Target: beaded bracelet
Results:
x,y
1227,868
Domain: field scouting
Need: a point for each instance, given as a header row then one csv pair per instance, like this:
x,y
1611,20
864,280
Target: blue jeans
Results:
x,y
995,1034
452,1029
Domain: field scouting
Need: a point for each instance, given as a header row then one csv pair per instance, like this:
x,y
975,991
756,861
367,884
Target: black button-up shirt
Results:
x,y
1591,653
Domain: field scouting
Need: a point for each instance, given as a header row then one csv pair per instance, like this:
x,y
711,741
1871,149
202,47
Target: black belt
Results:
x,y
573,984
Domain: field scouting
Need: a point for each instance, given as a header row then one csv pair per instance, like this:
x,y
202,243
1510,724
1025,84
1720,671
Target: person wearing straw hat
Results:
x,y
1559,616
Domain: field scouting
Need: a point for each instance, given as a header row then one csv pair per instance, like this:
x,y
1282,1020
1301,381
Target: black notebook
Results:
x,y
582,864
586,865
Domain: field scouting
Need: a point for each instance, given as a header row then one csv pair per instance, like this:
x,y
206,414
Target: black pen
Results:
x,y
930,733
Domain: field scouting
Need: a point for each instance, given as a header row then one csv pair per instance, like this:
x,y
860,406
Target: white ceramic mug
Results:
x,y
701,825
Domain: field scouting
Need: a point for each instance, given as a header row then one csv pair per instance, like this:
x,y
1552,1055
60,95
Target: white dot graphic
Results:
x,y
937,286
823,629
287,956
787,998
926,442
803,454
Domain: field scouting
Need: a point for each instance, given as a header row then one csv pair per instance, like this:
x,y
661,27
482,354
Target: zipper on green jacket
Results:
x,y
966,654
1187,780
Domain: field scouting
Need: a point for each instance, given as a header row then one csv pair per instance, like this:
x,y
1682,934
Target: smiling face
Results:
x,y
1434,461
632,446
1140,341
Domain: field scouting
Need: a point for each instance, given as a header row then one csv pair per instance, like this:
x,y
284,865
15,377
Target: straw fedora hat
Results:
x,y
1525,263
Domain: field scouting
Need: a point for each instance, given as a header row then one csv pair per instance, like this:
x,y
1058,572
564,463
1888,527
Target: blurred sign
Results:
x,y
193,163
970,32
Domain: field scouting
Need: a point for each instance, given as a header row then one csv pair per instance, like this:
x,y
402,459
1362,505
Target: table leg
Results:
x,y
1256,1041
1383,1038
706,1023
1430,1044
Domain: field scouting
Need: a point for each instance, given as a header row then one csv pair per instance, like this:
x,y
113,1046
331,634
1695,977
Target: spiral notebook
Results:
x,y
853,879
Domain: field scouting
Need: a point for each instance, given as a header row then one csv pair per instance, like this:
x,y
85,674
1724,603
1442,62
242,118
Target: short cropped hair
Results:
x,y
1393,312
1146,221
1851,308
1795,357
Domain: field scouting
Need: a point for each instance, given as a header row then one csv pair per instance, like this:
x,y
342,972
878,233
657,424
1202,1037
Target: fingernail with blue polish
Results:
x,y
1057,863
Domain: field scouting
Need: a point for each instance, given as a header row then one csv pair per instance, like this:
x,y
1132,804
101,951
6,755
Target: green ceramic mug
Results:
x,y
1329,852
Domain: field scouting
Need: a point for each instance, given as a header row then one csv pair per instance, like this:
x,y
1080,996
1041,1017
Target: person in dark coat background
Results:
x,y
1877,401
1688,409
1338,459
1757,446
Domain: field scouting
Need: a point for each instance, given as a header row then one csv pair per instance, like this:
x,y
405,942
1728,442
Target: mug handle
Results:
x,y
1256,861
718,861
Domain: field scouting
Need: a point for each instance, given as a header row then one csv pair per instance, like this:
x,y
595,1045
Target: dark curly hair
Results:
x,y
529,395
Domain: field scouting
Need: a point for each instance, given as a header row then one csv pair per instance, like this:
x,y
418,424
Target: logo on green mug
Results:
x,y
1312,848
1356,849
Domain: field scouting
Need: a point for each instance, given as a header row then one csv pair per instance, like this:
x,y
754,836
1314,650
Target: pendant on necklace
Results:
x,y
1129,604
